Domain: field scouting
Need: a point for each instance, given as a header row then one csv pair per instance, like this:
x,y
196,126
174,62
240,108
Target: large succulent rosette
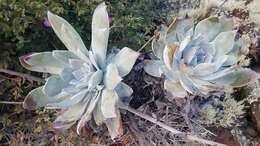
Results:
x,y
83,83
199,58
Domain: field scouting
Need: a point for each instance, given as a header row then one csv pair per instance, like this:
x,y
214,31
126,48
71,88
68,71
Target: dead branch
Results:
x,y
22,75
11,102
166,127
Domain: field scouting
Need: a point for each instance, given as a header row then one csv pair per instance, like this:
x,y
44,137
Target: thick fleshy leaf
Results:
x,y
172,74
109,102
187,84
112,77
204,69
36,98
210,27
224,42
83,72
97,114
125,60
237,77
218,74
220,61
42,62
53,85
205,87
71,101
231,60
68,35
181,48
64,56
180,30
114,126
168,54
70,116
95,79
152,67
189,54
124,92
94,97
75,63
67,75
174,88
158,44
93,60
100,34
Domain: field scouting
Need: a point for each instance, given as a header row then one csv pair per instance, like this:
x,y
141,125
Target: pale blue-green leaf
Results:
x,y
237,77
224,42
204,69
54,85
179,52
95,79
70,116
124,92
64,56
81,73
210,27
71,101
217,74
172,74
189,54
76,63
36,98
112,77
93,60
231,60
187,84
158,44
109,102
168,54
100,34
94,97
42,62
125,60
114,126
152,67
97,114
205,87
67,75
175,89
68,35
180,30
220,61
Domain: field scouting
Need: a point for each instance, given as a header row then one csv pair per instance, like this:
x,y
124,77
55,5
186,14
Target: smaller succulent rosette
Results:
x,y
199,58
83,83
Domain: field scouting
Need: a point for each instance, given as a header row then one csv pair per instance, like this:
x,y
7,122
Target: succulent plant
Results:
x,y
83,83
199,58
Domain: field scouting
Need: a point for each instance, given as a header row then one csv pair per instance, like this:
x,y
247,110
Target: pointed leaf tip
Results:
x,y
100,34
125,60
29,103
23,60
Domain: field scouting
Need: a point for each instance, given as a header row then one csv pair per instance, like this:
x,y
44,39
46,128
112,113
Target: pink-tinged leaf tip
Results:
x,y
23,60
29,103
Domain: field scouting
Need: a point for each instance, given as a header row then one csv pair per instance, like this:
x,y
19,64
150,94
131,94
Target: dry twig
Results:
x,y
166,127
23,75
155,35
11,102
